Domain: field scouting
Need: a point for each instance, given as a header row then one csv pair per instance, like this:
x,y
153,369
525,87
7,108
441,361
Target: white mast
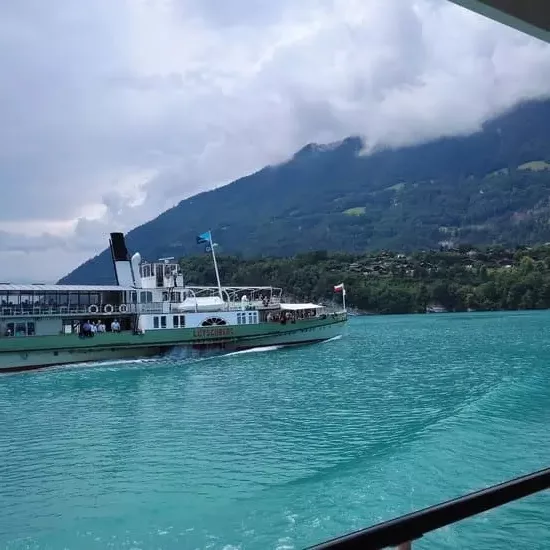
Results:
x,y
341,287
344,296
215,265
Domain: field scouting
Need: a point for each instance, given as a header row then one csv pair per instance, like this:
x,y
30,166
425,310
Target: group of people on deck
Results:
x,y
284,317
90,328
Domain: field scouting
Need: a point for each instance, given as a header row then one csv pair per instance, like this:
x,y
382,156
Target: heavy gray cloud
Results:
x,y
113,111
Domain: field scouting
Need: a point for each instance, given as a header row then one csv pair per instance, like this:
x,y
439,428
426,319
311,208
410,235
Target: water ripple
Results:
x,y
283,448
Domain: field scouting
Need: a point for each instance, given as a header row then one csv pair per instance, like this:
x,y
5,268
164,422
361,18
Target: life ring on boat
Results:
x,y
108,308
123,308
93,309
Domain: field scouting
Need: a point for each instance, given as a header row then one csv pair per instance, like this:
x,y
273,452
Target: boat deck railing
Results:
x,y
401,532
166,307
123,309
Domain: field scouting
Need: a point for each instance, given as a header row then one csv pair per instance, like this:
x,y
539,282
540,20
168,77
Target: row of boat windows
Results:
x,y
20,329
158,270
62,299
252,317
146,297
54,299
178,321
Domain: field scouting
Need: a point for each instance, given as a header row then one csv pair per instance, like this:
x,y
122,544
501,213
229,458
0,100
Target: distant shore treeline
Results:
x,y
466,278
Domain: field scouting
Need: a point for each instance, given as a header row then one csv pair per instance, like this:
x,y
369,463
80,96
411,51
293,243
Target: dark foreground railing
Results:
x,y
402,531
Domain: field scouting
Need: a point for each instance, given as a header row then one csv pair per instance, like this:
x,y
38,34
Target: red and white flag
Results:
x,y
340,288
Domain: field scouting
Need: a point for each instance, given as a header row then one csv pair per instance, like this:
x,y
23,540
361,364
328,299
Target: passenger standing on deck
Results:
x,y
86,329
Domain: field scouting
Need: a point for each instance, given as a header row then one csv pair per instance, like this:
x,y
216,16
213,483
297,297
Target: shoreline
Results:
x,y
382,314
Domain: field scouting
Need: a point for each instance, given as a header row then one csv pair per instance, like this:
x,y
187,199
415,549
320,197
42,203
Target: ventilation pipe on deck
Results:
x,y
136,261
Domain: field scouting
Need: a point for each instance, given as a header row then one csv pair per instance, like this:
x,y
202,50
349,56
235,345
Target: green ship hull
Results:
x,y
149,312
23,353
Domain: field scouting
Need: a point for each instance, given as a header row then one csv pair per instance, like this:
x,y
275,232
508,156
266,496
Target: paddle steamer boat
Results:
x,y
149,312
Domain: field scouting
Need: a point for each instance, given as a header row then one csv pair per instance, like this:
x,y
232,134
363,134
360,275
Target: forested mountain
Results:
x,y
490,187
481,279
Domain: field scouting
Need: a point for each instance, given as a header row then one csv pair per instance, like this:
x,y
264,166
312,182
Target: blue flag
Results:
x,y
204,238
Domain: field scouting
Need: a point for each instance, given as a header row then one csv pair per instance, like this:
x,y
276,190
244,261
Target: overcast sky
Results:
x,y
112,111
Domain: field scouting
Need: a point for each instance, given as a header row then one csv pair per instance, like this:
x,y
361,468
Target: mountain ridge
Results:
x,y
472,188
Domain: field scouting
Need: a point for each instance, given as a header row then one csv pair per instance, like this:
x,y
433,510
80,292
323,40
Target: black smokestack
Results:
x,y
118,248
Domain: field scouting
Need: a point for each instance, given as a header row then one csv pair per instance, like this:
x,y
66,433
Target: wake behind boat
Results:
x,y
148,312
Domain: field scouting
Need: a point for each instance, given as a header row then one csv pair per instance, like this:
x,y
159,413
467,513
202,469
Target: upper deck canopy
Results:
x,y
299,307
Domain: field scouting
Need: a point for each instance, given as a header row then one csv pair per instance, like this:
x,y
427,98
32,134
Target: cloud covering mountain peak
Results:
x,y
114,111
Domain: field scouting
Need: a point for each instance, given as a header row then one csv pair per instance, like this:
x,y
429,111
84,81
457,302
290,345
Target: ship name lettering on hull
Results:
x,y
212,332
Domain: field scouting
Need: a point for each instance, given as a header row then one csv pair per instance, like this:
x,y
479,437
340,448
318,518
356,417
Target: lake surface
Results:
x,y
283,448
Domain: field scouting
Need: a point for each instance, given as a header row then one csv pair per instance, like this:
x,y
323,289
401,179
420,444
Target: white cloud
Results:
x,y
113,111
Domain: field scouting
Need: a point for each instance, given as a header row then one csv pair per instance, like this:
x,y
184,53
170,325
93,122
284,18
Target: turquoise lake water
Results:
x,y
284,448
